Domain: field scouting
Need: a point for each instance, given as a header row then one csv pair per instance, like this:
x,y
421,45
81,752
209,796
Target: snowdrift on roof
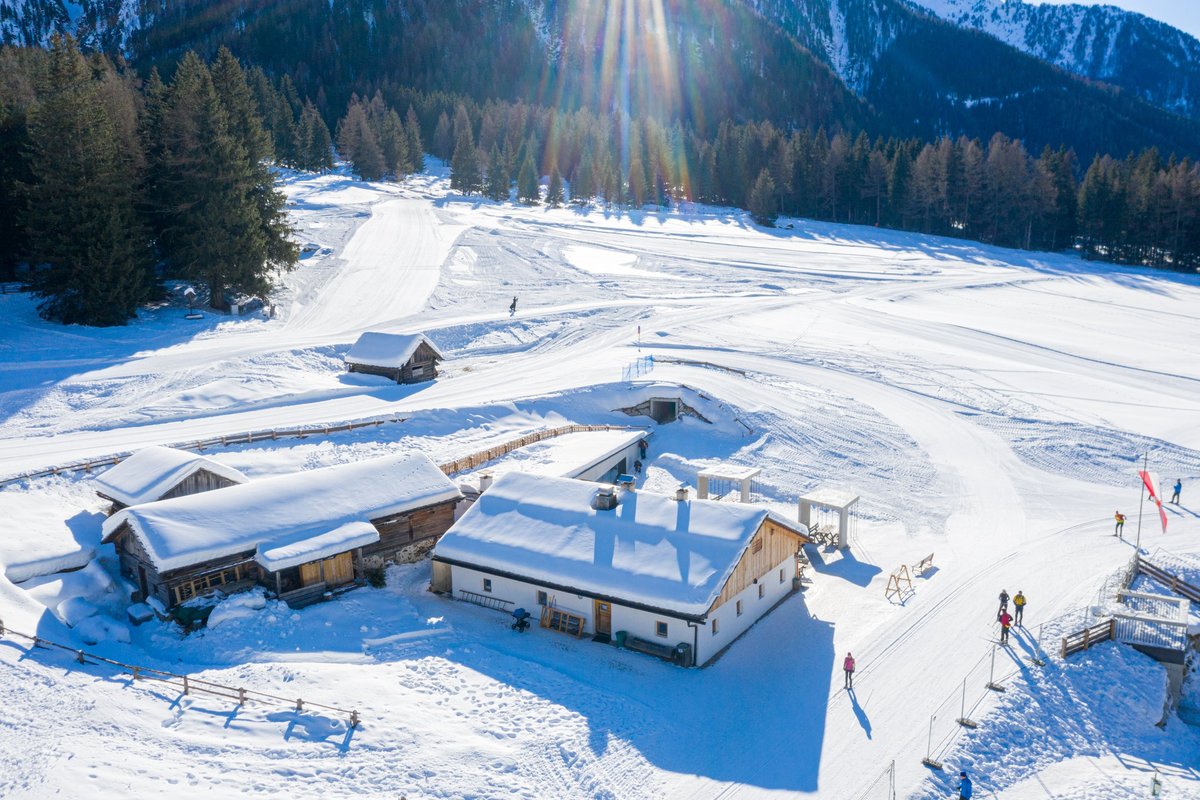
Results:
x,y
186,530
656,551
151,472
39,541
377,349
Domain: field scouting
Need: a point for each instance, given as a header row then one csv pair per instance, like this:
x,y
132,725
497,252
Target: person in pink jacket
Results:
x,y
848,667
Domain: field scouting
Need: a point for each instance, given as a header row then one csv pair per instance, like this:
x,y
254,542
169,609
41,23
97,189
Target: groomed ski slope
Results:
x,y
988,405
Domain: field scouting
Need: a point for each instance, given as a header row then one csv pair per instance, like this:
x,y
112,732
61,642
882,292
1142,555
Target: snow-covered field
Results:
x,y
989,406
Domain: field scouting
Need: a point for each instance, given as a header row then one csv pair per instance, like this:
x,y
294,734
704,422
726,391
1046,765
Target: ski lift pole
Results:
x,y
995,687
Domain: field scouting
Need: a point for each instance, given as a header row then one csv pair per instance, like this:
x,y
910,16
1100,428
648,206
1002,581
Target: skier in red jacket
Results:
x,y
848,667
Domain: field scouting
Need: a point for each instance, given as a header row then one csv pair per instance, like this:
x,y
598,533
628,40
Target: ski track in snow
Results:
x,y
988,405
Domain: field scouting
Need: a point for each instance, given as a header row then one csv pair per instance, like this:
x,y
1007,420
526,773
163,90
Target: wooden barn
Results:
x,y
299,535
669,576
160,473
402,357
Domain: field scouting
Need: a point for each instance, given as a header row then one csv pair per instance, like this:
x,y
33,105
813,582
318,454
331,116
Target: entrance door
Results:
x,y
603,620
142,583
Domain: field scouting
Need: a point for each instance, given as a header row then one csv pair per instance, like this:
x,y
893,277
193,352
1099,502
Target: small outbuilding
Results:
x,y
402,357
672,576
160,473
299,535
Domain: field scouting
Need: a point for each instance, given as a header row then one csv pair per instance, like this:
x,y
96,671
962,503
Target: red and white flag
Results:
x,y
1150,479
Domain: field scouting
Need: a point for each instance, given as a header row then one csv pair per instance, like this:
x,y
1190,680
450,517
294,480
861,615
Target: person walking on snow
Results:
x,y
1177,489
964,786
513,308
848,668
1003,603
1019,606
1120,518
1005,624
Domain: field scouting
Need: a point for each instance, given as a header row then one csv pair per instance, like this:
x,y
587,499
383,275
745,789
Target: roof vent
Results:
x,y
605,498
485,481
681,493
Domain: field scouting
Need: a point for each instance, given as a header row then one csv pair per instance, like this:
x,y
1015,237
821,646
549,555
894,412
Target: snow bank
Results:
x,y
238,606
48,541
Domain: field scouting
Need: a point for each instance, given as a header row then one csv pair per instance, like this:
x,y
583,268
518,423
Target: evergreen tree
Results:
x,y
497,177
583,180
358,144
465,174
763,200
528,190
554,192
90,252
222,221
443,138
315,145
394,144
416,151
241,109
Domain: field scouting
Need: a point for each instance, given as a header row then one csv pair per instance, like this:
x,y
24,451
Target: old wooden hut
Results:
x,y
299,535
160,473
671,576
403,357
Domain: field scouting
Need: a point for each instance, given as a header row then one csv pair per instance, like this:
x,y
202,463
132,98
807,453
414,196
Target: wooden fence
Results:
x,y
492,453
201,444
188,685
12,287
1168,580
1081,640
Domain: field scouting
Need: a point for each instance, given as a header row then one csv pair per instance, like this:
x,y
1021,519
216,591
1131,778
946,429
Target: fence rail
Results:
x,y
199,446
1081,640
12,287
186,683
1169,580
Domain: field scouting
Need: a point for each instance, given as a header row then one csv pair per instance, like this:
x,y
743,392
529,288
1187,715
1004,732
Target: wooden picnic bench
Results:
x,y
663,651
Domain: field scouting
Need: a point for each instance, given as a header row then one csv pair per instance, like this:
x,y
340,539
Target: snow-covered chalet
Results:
x,y
160,473
403,357
671,576
299,535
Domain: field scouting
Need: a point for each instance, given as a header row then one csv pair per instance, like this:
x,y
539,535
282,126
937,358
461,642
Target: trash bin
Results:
x,y
620,638
683,654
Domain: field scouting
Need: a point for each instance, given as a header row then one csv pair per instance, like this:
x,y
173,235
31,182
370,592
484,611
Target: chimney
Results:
x,y
485,481
682,493
605,498
625,482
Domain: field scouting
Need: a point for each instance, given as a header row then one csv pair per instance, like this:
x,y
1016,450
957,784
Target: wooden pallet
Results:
x,y
556,619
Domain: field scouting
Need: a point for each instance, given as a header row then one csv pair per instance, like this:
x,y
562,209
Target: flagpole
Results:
x,y
1141,501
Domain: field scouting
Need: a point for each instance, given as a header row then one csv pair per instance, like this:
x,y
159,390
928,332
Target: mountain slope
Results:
x,y
1157,62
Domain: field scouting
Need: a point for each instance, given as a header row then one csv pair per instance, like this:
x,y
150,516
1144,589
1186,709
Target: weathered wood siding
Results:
x,y
199,481
772,543
131,555
398,531
424,361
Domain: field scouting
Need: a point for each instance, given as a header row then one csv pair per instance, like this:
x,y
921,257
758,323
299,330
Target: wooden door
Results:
x,y
310,573
339,569
603,619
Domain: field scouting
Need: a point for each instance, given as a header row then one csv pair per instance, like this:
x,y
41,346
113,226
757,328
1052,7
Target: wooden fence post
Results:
x,y
79,657
354,719
1,627
241,697
299,705
185,685
135,673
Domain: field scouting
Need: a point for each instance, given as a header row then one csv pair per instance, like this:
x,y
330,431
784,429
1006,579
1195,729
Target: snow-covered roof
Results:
x,y
651,550
378,349
151,472
830,498
729,472
186,530
44,534
303,547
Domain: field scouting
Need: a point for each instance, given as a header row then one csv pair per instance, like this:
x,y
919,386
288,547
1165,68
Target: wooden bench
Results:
x,y
664,651
924,565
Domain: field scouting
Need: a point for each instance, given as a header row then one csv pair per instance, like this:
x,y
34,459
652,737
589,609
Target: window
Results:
x,y
781,576
660,629
487,584
754,548
715,627
543,600
762,591
739,608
